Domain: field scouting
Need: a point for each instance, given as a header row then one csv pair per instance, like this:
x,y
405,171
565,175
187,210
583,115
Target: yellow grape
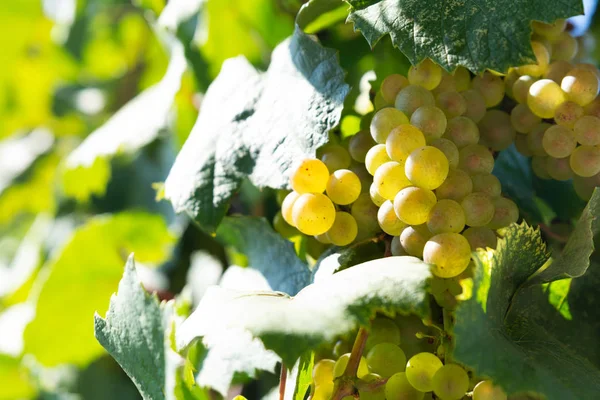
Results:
x,y
535,138
462,131
475,105
430,120
491,88
544,97
342,363
580,86
343,187
523,120
559,141
413,204
375,157
377,199
384,121
478,208
447,84
486,390
344,229
521,87
310,176
462,79
564,47
402,141
313,213
496,130
568,113
323,392
287,206
322,372
585,161
451,103
476,159
587,130
487,183
426,74
549,31
559,168
449,149
413,239
388,220
506,212
450,382
446,216
412,97
541,66
420,370
389,179
391,85
398,387
427,167
509,81
593,108
379,103
450,254
557,70
456,187
480,237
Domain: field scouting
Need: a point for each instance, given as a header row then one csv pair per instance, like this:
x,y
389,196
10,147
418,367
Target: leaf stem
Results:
x,y
282,381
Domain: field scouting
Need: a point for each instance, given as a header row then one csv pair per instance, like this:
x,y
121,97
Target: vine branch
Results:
x,y
346,384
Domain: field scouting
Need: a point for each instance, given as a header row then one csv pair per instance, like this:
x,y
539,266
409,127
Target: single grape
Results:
x,y
452,103
559,141
521,87
376,394
396,247
475,105
491,88
359,144
402,141
557,70
585,161
449,149
287,207
587,130
486,390
509,81
543,59
313,213
377,199
391,85
447,84
456,187
344,229
564,47
430,120
413,239
342,363
282,227
535,139
322,372
413,204
398,387
427,167
549,31
523,120
335,157
310,176
389,179
476,159
568,113
343,187
412,97
559,168
420,370
462,79
386,359
376,157
388,221
478,208
384,121
539,167
450,382
382,330
522,146
426,74
580,86
480,237
323,392
506,212
450,254
462,131
496,130
365,213
487,183
446,216
544,97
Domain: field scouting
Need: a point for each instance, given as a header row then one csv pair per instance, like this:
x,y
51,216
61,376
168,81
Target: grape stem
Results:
x,y
282,381
371,386
345,386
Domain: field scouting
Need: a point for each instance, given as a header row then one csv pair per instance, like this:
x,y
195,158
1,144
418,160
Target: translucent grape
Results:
x,y
384,121
539,168
420,370
365,213
343,187
450,254
580,85
475,105
388,221
376,157
335,157
544,97
323,392
452,103
522,146
481,237
568,113
310,176
282,227
377,199
344,229
449,149
476,159
543,59
359,145
486,390
398,387
450,382
413,204
342,363
564,47
446,216
549,31
535,139
487,183
391,85
386,359
430,120
491,88
412,97
478,208
585,161
456,187
496,130
587,130
446,84
559,168
382,330
313,213
559,141
426,74
403,141
506,212
413,239
521,88
396,247
389,179
523,120
557,70
462,79
322,372
462,131
287,206
426,167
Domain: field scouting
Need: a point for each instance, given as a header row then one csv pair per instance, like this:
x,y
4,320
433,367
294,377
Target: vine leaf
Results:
x,y
514,336
477,34
256,125
302,323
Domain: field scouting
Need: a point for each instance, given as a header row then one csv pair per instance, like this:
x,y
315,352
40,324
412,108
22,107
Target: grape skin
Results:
x,y
486,390
365,213
521,87
412,97
323,392
496,130
478,208
427,167
282,227
476,159
389,179
544,97
462,131
568,113
342,363
587,130
413,239
382,330
491,87
475,105
384,121
450,382
585,161
388,221
557,70
311,176
396,247
335,157
375,157
322,372
535,139
313,213
426,74
391,85
559,141
430,120
523,120
287,207
580,86
386,359
398,387
420,370
449,149
549,31
506,212
402,141
413,204
564,47
487,183
480,237
539,167
559,168
456,187
446,216
343,187
449,253
344,229
377,199
452,103
543,59
359,145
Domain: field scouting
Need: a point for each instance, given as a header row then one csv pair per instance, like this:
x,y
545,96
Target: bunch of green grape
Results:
x,y
386,371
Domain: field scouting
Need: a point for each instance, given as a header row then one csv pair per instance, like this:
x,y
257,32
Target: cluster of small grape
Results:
x,y
385,373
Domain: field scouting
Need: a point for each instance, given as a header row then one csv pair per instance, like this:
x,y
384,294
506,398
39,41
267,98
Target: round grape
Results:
x,y
568,113
389,179
287,207
491,88
549,31
584,187
506,212
487,183
376,157
452,103
522,146
559,168
313,213
377,199
426,74
559,141
342,363
587,130
580,86
462,131
344,229
388,221
396,247
384,121
403,141
450,382
496,130
585,161
462,79
478,208
427,167
343,187
449,149
420,370
322,372
413,239
446,216
521,87
323,392
456,187
544,97
523,120
398,387
475,105
476,159
382,330
376,394
480,237
311,176
449,253
359,145
390,87
535,139
386,359
335,157
412,97
486,390
282,227
413,204
564,47
430,120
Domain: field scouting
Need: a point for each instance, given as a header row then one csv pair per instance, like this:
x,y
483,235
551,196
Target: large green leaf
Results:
x,y
80,279
319,313
477,34
257,125
498,336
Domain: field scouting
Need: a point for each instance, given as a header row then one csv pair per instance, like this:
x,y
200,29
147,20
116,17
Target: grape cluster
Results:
x,y
385,372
